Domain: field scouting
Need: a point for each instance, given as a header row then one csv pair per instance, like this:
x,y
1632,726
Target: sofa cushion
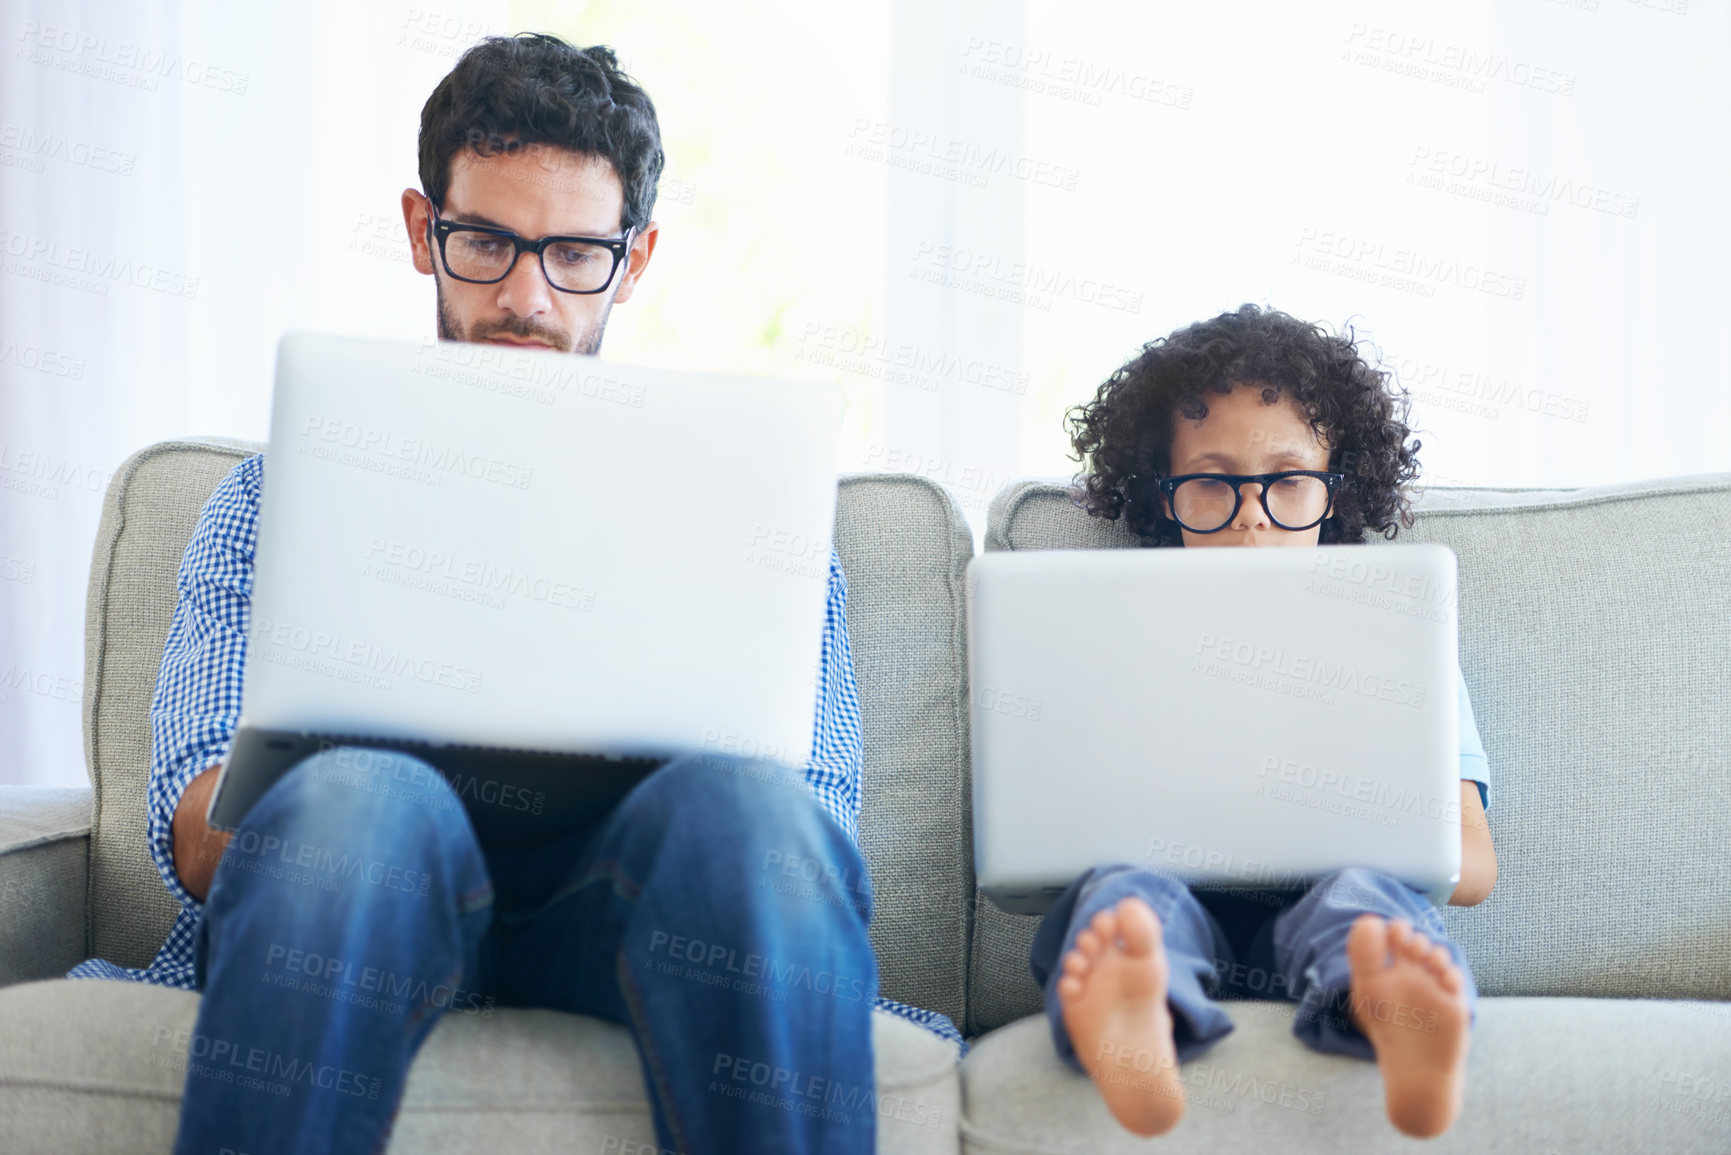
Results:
x,y
903,545
1544,1075
44,852
1596,641
98,1066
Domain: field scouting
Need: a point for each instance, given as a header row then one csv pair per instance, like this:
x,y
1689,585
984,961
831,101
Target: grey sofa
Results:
x,y
1596,640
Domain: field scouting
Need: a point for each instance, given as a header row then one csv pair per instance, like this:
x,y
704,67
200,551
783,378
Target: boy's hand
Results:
x,y
1478,855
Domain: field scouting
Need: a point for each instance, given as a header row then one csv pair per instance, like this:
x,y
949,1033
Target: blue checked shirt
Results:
x,y
197,707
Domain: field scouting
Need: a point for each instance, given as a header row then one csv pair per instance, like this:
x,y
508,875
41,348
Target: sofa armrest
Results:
x,y
44,867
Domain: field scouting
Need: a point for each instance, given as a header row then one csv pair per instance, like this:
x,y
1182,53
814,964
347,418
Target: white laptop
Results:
x,y
1231,717
544,573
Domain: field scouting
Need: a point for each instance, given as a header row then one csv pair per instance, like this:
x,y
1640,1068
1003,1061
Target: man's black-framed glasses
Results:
x,y
1293,498
482,255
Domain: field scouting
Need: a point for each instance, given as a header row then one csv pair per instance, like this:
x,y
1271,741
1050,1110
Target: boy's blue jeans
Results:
x,y
717,912
1288,944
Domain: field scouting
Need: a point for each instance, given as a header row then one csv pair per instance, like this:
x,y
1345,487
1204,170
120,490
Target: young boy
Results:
x,y
1179,443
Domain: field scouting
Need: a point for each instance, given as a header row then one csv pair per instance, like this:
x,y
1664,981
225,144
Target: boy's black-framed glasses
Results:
x,y
483,255
1293,499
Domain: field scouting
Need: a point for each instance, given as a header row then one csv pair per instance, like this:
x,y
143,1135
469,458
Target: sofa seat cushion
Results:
x,y
1544,1075
96,1066
44,859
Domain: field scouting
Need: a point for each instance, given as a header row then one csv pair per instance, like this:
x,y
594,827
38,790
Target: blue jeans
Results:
x,y
1287,944
718,913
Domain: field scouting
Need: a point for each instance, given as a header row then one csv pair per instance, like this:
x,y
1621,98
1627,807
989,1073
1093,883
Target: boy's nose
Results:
x,y
1250,514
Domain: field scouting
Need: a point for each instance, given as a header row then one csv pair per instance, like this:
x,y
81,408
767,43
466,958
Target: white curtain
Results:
x,y
966,212
1523,204
178,185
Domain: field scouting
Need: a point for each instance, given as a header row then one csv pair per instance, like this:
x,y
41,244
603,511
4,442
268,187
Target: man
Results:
x,y
355,904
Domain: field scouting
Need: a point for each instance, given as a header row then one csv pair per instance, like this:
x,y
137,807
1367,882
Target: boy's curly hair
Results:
x,y
1125,434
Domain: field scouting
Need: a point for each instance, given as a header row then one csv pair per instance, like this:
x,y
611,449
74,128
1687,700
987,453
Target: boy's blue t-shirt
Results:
x,y
1474,764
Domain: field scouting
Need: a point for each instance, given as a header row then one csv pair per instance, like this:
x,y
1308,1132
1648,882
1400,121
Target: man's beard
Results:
x,y
588,341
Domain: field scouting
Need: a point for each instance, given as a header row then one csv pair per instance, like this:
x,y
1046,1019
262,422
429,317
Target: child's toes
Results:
x,y
1089,944
1367,943
1449,976
1078,964
1399,933
1138,926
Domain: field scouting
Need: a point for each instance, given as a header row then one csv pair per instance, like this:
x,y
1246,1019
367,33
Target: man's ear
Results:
x,y
642,248
416,217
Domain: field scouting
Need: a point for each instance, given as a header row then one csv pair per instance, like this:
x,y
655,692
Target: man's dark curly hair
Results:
x,y
510,91
1125,434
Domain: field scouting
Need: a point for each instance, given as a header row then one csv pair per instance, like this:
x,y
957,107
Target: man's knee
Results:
x,y
741,795
755,818
351,794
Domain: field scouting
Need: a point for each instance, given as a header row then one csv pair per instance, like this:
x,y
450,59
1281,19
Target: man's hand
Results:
x,y
198,848
1478,855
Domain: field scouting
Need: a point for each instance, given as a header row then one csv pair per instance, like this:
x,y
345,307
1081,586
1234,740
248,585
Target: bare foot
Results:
x,y
1113,991
1409,999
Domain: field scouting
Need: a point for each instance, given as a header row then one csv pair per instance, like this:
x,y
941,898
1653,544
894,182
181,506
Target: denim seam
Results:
x,y
608,870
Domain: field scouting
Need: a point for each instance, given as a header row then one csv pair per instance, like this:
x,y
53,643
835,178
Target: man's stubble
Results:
x,y
587,342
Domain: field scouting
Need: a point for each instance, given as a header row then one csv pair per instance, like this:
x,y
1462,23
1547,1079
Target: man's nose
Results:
x,y
524,290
